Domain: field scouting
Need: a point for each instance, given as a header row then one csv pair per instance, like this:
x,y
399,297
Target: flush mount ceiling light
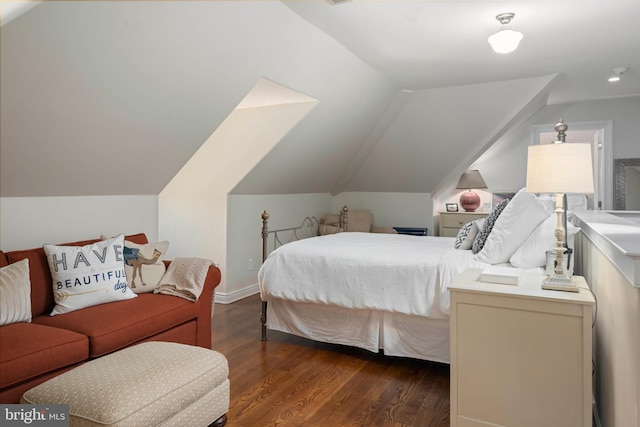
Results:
x,y
505,40
617,73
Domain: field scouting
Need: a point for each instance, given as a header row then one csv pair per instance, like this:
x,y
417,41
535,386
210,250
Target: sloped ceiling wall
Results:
x,y
439,130
102,98
113,98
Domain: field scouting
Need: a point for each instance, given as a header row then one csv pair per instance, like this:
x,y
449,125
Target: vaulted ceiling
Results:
x,y
113,98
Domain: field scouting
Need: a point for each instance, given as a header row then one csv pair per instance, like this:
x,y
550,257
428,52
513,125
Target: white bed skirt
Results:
x,y
396,334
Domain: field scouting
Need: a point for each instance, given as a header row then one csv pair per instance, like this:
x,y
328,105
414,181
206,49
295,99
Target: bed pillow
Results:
x,y
324,229
15,293
549,201
331,219
532,253
467,234
518,219
87,275
359,220
144,265
484,232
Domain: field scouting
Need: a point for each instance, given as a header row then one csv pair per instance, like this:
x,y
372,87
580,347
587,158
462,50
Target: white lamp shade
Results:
x,y
505,40
560,168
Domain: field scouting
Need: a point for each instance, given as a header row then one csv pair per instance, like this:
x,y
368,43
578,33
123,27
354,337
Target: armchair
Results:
x,y
356,220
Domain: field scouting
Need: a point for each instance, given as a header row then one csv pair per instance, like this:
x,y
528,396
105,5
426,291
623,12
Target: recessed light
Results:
x,y
614,79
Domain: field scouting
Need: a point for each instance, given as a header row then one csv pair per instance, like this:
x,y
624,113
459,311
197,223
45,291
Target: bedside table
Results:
x,y
520,355
450,222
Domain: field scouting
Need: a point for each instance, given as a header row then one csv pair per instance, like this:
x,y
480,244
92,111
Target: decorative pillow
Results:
x,y
532,253
467,234
476,226
88,275
463,233
481,238
518,219
15,293
143,265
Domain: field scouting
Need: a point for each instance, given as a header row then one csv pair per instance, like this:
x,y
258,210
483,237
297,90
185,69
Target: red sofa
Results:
x,y
31,353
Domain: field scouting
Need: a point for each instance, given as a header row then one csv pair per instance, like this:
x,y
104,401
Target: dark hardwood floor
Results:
x,y
293,381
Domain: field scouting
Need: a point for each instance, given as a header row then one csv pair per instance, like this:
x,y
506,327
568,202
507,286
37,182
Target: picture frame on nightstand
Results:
x,y
452,207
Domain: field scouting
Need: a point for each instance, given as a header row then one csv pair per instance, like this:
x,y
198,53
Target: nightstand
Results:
x,y
520,355
450,222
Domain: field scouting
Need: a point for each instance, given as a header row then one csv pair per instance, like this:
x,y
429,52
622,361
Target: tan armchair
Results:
x,y
356,220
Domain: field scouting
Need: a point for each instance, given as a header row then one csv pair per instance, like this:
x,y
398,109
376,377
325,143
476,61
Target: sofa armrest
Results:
x,y
205,309
204,306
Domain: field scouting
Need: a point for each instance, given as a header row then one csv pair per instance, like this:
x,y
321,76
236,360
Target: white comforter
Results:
x,y
390,272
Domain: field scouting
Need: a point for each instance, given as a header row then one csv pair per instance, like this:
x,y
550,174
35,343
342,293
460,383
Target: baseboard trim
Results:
x,y
228,298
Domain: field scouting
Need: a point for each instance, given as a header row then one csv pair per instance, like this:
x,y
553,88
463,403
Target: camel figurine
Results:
x,y
136,260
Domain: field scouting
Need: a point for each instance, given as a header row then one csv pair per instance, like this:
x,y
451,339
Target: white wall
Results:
x,y
505,163
244,238
193,213
28,222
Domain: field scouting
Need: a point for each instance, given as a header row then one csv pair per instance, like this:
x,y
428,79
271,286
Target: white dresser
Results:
x,y
450,222
520,355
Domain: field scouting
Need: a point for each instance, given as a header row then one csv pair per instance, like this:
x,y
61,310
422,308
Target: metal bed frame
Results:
x,y
310,223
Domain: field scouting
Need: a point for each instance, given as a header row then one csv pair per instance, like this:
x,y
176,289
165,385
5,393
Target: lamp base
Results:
x,y
469,201
559,283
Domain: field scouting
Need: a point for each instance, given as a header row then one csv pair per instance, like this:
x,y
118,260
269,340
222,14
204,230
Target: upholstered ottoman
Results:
x,y
149,384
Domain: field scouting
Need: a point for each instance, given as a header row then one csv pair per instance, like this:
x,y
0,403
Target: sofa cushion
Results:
x,y
15,293
129,321
45,350
88,275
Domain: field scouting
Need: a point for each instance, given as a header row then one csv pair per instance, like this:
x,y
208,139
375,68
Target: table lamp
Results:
x,y
560,168
470,179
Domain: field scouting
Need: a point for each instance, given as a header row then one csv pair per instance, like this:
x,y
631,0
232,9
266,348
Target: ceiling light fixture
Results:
x,y
618,72
505,40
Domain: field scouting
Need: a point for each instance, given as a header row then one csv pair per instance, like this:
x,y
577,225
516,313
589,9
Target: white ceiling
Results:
x,y
114,97
432,44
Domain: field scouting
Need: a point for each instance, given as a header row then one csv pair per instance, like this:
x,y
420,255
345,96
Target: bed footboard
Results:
x,y
280,237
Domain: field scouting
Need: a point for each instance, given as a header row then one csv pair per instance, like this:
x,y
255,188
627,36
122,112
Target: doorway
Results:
x,y
600,135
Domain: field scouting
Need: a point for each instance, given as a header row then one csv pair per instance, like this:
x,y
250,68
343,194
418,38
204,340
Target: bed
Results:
x,y
379,292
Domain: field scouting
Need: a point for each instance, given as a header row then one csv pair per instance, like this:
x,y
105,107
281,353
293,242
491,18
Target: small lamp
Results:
x,y
559,168
470,179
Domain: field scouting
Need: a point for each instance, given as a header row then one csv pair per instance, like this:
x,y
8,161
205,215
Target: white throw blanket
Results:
x,y
184,278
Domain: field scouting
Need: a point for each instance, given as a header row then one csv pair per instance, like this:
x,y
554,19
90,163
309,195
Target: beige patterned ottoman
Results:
x,y
149,384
